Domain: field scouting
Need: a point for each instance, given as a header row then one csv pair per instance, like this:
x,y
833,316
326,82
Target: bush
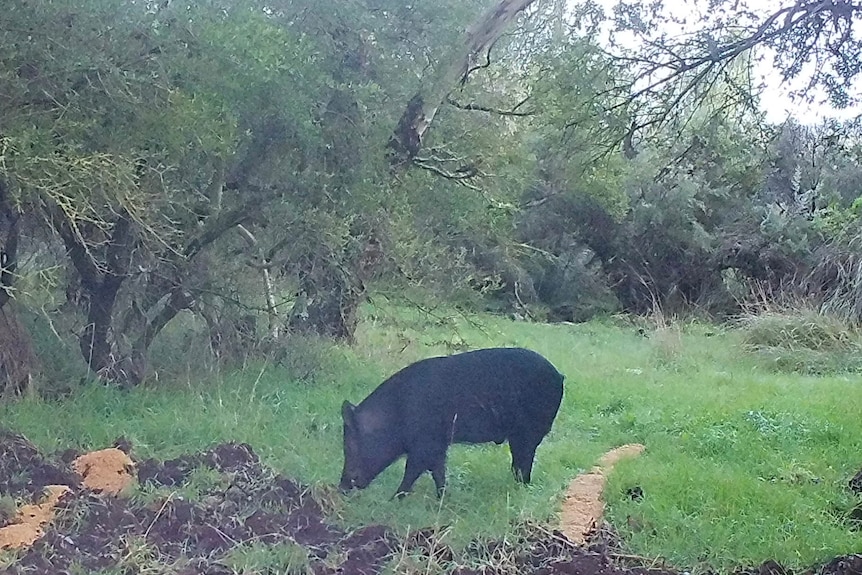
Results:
x,y
804,340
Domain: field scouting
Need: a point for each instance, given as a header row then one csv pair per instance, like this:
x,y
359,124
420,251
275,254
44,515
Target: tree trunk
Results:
x,y
332,291
101,284
18,361
101,287
331,305
406,142
10,230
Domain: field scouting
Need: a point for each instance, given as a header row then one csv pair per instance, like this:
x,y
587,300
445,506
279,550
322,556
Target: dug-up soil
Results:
x,y
84,527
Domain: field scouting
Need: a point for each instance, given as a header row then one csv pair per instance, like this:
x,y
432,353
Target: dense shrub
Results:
x,y
803,340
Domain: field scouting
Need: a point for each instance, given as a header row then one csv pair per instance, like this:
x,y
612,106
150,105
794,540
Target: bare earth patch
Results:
x,y
583,506
108,471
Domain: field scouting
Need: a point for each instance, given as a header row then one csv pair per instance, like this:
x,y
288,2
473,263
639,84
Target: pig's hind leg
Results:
x,y
438,473
523,452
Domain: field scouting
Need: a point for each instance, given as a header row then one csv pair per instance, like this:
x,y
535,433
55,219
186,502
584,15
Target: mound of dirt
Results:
x,y
251,505
107,471
24,472
246,505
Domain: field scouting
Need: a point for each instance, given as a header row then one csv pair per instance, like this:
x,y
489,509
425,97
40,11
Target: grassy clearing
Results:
x,y
742,464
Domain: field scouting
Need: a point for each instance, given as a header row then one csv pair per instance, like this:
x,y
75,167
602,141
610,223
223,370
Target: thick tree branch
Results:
x,y
178,300
217,226
461,176
496,111
406,141
79,253
268,288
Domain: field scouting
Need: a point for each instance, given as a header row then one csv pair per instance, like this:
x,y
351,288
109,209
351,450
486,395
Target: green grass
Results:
x,y
286,558
200,482
742,464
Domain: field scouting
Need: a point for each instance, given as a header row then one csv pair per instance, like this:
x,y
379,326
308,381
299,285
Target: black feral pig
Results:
x,y
479,396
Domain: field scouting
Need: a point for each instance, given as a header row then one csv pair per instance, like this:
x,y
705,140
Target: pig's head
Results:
x,y
354,475
371,443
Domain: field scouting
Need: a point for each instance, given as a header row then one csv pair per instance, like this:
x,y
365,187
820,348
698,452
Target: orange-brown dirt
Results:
x,y
583,505
108,470
30,520
253,505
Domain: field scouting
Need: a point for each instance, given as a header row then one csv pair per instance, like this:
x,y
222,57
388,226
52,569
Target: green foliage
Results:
x,y
835,221
652,222
61,370
176,115
797,330
578,163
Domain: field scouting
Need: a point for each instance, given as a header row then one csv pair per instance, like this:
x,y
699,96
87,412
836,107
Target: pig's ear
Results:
x,y
348,414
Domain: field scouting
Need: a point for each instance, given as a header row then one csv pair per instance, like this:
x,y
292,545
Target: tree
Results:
x,y
18,361
465,58
679,57
333,275
127,144
10,231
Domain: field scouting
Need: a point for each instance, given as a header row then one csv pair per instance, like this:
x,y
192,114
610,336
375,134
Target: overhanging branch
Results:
x,y
462,176
216,227
496,111
800,32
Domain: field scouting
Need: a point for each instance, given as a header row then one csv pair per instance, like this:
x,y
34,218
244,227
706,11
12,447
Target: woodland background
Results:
x,y
256,172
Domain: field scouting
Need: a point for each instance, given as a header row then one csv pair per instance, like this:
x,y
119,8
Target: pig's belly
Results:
x,y
479,426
